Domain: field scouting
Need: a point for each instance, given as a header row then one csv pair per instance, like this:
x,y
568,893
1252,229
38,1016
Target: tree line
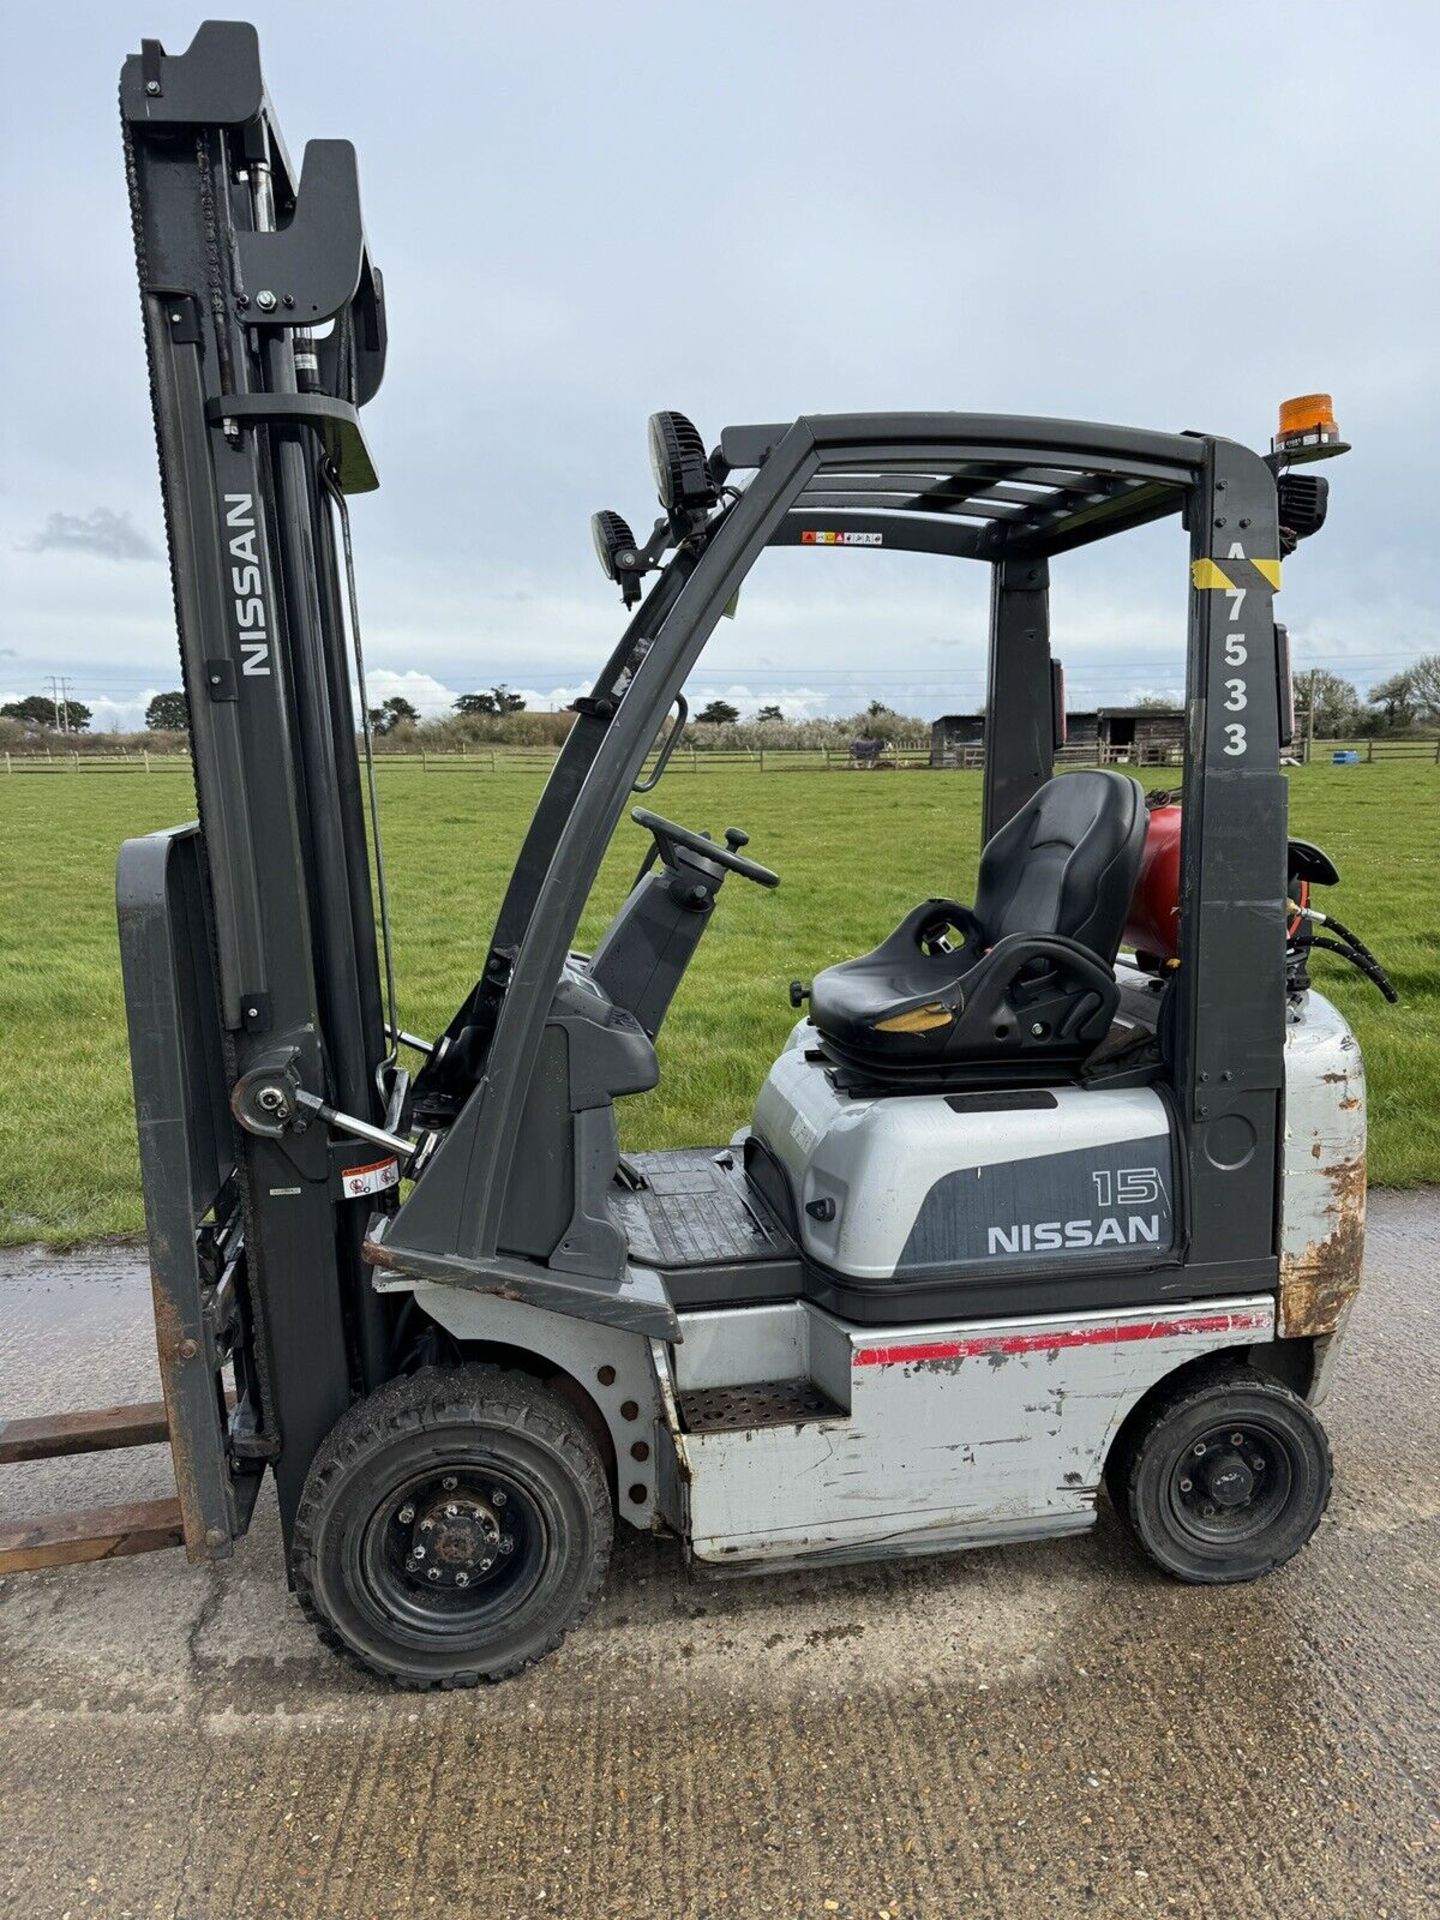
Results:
x,y
1407,700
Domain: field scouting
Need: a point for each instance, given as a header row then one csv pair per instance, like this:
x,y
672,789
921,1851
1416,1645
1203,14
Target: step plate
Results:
x,y
697,1209
766,1403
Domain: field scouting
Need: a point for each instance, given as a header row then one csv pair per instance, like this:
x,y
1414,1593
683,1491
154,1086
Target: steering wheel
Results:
x,y
669,836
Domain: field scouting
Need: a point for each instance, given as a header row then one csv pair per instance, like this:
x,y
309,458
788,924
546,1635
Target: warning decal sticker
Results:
x,y
812,539
376,1178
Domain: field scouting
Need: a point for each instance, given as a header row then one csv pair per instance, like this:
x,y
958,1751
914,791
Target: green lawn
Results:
x,y
855,852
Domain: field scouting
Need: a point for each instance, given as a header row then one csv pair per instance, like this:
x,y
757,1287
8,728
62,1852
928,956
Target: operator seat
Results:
x,y
1022,983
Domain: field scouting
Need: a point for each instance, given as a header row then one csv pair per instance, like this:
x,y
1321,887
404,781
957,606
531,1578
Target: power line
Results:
x,y
1106,666
1105,669
60,697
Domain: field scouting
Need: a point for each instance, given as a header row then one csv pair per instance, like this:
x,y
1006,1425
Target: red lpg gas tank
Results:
x,y
1154,923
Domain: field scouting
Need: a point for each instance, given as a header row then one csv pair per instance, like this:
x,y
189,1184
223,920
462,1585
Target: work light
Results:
x,y
618,555
677,459
1302,500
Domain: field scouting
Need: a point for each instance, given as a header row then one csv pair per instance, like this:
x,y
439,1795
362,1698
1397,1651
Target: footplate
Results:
x,y
765,1403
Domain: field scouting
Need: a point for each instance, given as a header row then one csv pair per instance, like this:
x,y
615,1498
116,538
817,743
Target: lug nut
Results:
x,y
497,1497
406,1514
462,1579
417,1553
433,1574
1186,1485
449,1483
507,1545
1237,1439
1198,1449
452,1512
426,1524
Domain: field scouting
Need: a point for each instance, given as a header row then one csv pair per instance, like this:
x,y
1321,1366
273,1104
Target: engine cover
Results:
x,y
924,1183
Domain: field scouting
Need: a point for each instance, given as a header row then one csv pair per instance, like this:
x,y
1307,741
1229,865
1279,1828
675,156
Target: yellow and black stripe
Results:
x,y
1235,574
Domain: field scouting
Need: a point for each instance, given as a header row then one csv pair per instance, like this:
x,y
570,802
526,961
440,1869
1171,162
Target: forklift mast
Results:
x,y
250,945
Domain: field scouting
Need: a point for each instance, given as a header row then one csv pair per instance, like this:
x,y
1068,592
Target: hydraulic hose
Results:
x,y
1349,946
1361,957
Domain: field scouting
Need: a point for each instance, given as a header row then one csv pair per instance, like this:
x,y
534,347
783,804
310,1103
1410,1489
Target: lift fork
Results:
x,y
97,1533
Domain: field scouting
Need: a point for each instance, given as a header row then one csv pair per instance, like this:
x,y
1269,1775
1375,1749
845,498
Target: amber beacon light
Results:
x,y
1307,429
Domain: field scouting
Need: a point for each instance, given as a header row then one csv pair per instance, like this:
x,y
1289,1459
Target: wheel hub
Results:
x,y
1229,1480
1230,1483
454,1539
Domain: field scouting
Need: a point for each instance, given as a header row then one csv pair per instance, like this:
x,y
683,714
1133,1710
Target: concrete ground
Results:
x,y
1045,1730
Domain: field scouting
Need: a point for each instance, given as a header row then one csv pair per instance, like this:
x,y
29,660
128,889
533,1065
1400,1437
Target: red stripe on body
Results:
x,y
1008,1343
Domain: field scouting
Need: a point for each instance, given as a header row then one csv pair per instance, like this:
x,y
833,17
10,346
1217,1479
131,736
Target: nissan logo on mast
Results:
x,y
247,582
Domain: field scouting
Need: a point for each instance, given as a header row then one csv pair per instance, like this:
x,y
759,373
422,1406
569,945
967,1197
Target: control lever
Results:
x,y
352,1124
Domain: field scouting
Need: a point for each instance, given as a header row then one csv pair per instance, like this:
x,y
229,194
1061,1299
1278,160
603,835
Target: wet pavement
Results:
x,y
1045,1730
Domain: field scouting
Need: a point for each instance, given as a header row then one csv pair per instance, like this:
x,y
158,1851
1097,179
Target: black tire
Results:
x,y
453,1527
1224,1479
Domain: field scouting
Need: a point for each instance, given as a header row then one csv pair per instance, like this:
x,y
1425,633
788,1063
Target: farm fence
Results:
x,y
686,759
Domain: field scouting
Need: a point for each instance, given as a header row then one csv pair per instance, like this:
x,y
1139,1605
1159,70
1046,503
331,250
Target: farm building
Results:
x,y
1142,735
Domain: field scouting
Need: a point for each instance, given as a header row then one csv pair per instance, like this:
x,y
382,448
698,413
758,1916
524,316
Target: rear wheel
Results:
x,y
454,1526
1224,1479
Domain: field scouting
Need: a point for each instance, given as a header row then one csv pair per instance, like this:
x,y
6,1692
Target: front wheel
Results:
x,y
1225,1479
453,1527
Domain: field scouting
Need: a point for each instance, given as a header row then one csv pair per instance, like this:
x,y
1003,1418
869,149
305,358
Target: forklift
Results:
x,y
1060,1190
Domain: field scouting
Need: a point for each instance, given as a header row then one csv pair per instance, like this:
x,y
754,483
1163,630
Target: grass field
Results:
x,y
854,852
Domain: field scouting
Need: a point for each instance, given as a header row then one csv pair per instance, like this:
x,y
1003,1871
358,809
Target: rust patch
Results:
x,y
170,1339
1318,1284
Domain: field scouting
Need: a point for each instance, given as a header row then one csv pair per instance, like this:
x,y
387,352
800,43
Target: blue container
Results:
x,y
1347,758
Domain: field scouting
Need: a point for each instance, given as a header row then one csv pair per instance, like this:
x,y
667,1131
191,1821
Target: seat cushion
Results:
x,y
1061,872
897,999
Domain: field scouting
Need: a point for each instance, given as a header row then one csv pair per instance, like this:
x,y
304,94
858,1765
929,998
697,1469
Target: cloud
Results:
x,y
108,535
433,700
796,703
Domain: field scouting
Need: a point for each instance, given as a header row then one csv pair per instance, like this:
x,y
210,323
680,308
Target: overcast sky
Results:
x,y
1164,215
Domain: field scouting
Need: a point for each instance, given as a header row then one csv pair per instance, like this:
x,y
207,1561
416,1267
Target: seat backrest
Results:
x,y
1066,862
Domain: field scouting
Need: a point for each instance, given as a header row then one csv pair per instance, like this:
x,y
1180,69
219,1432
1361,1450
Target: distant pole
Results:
x,y
1310,718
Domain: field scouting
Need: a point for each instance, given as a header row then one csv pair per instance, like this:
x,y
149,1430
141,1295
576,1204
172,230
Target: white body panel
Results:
x,y
881,1162
954,1434
1322,1214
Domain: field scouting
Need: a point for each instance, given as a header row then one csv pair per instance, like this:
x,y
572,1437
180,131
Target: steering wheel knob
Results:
x,y
735,838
